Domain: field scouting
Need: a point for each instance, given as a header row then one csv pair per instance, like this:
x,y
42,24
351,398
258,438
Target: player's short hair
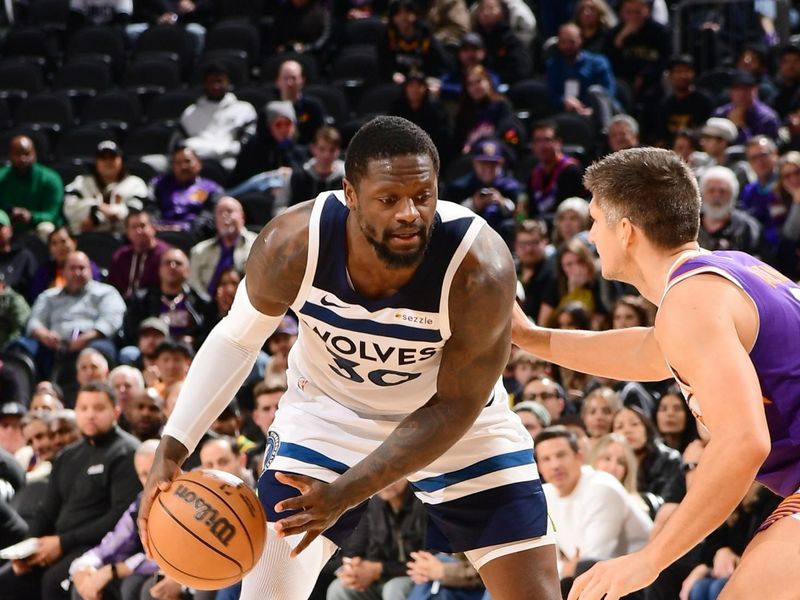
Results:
x,y
386,137
653,188
557,432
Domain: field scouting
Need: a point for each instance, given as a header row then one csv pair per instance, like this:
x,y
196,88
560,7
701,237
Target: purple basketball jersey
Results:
x,y
775,355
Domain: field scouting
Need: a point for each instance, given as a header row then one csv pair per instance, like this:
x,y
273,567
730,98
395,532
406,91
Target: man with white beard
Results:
x,y
722,226
229,249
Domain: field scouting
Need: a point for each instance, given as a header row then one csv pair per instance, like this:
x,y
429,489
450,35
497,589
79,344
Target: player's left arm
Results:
x,y
481,297
700,329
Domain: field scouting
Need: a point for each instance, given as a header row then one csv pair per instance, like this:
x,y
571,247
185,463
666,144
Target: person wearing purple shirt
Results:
x,y
134,266
182,196
119,559
750,115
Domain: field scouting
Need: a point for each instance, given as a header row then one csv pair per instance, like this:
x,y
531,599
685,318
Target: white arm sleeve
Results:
x,y
219,369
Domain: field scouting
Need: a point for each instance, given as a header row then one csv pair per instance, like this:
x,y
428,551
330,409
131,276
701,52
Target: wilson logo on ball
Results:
x,y
220,527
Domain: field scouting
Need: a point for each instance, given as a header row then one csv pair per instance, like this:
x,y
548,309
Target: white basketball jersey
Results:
x,y
378,357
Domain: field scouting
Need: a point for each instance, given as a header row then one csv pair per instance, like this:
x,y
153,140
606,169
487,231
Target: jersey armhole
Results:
x,y
452,268
313,252
711,270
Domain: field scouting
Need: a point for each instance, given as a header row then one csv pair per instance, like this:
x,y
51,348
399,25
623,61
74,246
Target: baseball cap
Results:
x,y
108,146
281,108
488,150
288,326
721,128
155,324
681,59
743,78
471,40
12,409
4,220
536,408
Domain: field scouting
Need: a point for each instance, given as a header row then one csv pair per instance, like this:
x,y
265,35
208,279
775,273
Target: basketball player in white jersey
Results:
x,y
404,304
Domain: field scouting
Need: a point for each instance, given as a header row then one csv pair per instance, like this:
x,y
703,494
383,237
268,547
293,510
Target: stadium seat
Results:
x,y
214,171
49,111
115,109
168,107
166,42
379,100
234,35
69,170
24,373
20,79
332,98
79,145
363,31
355,67
152,139
50,15
100,246
82,78
31,44
258,209
103,43
148,78
577,135
258,96
182,240
530,100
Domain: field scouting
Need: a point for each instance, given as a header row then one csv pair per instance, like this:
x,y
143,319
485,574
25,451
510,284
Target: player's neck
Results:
x,y
369,276
653,268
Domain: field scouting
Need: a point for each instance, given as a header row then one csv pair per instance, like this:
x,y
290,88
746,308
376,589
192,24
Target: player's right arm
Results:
x,y
630,354
275,268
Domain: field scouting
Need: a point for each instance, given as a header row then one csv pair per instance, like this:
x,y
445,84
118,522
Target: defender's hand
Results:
x,y
162,474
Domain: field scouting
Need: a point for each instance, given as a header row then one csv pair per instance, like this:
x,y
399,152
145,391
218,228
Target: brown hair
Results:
x,y
642,308
651,187
790,158
329,134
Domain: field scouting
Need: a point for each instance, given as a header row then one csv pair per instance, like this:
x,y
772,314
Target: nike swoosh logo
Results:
x,y
326,302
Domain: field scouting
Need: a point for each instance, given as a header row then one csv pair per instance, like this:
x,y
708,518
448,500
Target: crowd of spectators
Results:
x,y
188,124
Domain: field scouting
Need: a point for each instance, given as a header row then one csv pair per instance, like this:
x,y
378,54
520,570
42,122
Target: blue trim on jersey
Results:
x,y
401,332
421,293
488,465
312,457
501,515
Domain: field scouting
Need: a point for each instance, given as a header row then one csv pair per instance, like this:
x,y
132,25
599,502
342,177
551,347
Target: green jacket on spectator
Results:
x,y
40,191
14,312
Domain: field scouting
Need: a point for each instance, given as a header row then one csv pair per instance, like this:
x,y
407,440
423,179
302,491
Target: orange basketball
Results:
x,y
207,530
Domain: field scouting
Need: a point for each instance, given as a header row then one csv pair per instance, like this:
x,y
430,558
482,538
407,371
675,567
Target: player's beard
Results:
x,y
396,260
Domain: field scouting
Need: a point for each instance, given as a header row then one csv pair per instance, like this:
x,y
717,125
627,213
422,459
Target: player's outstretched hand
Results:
x,y
613,579
162,473
318,505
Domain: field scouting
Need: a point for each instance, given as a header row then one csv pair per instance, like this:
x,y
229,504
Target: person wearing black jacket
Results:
x,y
272,146
174,301
409,44
506,55
639,49
393,526
92,483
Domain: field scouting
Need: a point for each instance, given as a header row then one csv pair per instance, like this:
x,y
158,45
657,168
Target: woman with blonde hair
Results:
x,y
598,410
614,455
787,190
595,19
